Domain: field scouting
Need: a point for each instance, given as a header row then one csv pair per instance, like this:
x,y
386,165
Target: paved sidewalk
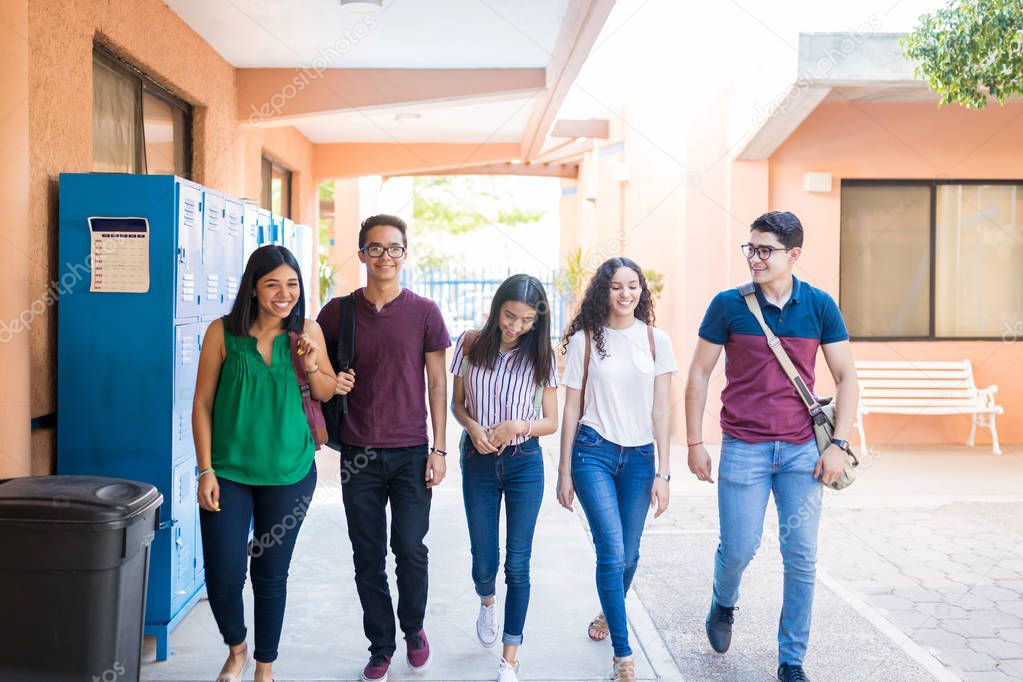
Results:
x,y
920,574
323,637
927,590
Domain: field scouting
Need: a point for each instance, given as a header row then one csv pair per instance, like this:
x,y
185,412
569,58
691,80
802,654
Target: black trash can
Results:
x,y
74,558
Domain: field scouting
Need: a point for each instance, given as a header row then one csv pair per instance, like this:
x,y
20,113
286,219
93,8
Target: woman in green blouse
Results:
x,y
255,451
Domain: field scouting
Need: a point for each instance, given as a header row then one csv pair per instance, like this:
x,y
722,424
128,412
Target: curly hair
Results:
x,y
595,308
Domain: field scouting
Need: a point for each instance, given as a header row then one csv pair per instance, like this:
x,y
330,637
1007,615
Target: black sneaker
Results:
x,y
792,673
719,626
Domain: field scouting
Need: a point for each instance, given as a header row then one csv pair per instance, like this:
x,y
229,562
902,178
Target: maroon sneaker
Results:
x,y
376,669
418,649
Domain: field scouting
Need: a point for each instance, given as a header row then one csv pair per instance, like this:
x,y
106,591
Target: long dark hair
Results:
x,y
595,309
534,345
245,310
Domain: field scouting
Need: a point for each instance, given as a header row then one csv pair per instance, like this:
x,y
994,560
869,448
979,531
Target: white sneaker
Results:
x,y
508,673
486,625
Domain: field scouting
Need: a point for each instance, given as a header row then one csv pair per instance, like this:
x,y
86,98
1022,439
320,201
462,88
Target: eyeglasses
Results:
x,y
376,251
762,252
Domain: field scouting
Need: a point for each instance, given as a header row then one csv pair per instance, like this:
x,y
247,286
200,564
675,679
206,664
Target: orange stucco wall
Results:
x,y
688,205
226,155
16,250
880,141
629,202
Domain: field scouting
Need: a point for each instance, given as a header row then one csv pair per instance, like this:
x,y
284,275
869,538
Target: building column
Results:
x,y
344,234
15,248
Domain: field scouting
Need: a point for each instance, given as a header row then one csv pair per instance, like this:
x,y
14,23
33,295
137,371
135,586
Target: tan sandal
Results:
x,y
598,631
623,671
227,677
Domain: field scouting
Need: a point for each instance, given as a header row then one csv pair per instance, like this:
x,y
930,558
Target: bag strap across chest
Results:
x,y
586,364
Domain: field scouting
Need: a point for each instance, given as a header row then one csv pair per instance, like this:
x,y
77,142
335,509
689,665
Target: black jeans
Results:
x,y
370,478
276,512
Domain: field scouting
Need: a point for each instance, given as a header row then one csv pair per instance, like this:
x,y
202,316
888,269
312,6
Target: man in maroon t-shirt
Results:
x,y
385,455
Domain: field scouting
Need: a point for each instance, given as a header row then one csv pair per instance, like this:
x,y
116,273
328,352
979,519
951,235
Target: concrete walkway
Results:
x,y
323,638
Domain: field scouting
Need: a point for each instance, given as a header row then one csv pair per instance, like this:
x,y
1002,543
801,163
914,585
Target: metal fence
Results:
x,y
464,296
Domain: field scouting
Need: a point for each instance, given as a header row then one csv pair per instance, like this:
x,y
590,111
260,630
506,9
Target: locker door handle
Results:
x,y
182,254
164,525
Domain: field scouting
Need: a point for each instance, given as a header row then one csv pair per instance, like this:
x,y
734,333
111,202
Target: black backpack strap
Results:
x,y
346,340
747,288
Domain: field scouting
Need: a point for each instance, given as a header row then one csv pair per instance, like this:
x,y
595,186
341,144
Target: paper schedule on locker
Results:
x,y
120,254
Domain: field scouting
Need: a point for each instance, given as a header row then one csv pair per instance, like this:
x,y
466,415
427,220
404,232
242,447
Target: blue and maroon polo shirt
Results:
x,y
759,403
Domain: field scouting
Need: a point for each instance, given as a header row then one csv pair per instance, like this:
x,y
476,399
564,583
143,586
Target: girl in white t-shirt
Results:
x,y
616,407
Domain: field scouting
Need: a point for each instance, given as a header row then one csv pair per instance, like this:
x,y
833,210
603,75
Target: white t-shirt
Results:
x,y
619,400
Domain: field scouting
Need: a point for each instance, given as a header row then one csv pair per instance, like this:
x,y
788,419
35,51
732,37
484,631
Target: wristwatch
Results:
x,y
663,477
842,444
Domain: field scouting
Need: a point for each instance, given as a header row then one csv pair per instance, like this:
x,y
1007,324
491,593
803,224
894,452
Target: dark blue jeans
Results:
x,y
372,478
517,475
276,513
613,484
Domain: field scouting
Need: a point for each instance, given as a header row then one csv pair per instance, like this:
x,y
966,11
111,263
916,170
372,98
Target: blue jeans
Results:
x,y
749,473
517,474
276,513
613,484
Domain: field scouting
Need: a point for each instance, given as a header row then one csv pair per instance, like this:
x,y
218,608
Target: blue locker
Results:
x,y
251,232
127,362
303,251
234,250
276,230
288,240
264,222
189,249
222,252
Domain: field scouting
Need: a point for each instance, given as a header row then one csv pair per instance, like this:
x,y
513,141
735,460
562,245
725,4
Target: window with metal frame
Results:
x,y
276,188
931,259
137,125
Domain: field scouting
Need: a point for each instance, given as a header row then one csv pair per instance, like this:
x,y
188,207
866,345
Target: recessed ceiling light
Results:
x,y
365,6
407,116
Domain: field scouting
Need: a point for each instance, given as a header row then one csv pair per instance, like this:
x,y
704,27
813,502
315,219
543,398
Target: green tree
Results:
x,y
969,49
457,204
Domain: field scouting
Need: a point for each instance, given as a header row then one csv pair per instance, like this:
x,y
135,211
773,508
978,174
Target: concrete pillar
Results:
x,y
15,250
344,233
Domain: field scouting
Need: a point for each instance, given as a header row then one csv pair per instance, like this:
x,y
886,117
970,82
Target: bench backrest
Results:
x,y
905,384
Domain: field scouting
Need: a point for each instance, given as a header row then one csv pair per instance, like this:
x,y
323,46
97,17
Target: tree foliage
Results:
x,y
460,204
969,49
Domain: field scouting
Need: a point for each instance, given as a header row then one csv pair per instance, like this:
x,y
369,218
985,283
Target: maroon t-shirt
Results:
x,y
387,407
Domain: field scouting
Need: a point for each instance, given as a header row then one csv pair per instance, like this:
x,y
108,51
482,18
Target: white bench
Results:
x,y
925,388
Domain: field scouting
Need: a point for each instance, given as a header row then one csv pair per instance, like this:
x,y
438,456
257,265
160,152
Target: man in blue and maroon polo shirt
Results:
x,y
768,441
385,458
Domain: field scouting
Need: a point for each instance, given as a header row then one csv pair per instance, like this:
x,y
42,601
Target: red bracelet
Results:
x,y
693,445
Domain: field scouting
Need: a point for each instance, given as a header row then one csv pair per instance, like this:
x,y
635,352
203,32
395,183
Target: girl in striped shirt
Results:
x,y
505,396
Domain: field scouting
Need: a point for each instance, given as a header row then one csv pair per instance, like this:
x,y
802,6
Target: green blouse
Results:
x,y
260,433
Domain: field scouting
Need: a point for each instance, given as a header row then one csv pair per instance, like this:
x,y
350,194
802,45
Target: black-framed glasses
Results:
x,y
761,252
376,251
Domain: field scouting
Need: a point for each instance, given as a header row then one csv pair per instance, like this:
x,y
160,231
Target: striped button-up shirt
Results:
x,y
508,391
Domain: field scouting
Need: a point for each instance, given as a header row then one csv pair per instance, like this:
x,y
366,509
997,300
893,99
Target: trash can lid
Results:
x,y
75,499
